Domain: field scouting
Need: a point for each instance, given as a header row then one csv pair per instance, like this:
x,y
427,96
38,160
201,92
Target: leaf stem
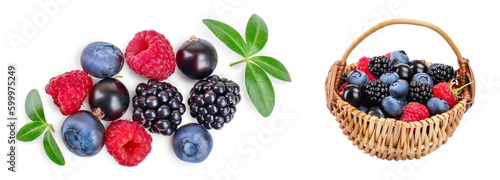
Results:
x,y
51,128
237,62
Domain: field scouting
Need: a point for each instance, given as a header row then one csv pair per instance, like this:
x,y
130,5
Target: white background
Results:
x,y
301,139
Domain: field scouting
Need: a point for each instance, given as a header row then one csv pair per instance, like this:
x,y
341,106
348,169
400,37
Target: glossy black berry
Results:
x,y
213,101
159,107
378,65
196,58
353,94
404,71
418,66
441,73
110,97
419,92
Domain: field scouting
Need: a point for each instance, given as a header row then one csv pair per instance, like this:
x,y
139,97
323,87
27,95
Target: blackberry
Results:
x,y
343,79
378,65
419,92
213,101
158,107
375,91
441,73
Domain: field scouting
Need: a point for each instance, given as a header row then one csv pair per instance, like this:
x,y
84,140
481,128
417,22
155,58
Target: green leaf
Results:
x,y
52,150
256,34
34,107
31,131
273,67
227,35
260,89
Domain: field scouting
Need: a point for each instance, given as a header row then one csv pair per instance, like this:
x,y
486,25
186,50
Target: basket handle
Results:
x,y
401,21
465,71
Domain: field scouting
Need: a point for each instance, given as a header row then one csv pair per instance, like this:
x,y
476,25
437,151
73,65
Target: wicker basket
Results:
x,y
388,138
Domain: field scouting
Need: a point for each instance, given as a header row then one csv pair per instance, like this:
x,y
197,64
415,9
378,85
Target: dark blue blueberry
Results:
x,y
358,78
434,64
102,59
392,106
399,89
363,109
423,77
83,134
192,143
399,57
437,106
389,77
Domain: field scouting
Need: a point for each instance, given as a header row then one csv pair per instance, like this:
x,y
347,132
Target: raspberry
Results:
x,y
69,90
342,87
388,55
363,66
448,92
128,142
150,54
442,90
414,112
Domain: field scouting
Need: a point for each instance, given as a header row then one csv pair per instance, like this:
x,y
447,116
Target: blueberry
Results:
x,y
102,59
423,77
83,134
403,102
192,143
353,94
399,89
389,77
363,109
434,64
404,71
418,66
399,57
392,106
358,78
437,106
377,111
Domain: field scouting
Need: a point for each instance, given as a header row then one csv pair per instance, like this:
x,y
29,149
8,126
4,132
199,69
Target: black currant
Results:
x,y
196,58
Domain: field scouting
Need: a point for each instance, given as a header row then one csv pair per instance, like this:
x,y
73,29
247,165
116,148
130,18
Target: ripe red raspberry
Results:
x,y
150,54
442,90
448,91
414,112
128,142
69,90
363,66
342,87
388,55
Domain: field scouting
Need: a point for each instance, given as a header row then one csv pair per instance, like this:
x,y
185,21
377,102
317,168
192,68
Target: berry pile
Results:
x,y
158,106
392,86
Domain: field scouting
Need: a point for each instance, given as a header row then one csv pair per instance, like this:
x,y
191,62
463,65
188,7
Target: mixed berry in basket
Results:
x,y
392,86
